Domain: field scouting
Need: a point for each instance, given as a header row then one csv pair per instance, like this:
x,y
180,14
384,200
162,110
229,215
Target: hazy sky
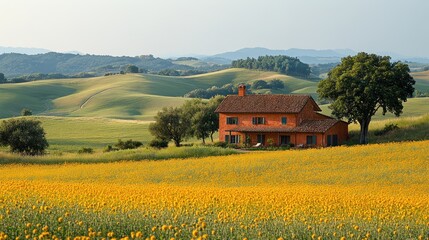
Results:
x,y
181,27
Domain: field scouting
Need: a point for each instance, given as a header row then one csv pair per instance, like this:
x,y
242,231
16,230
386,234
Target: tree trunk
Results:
x,y
177,142
364,124
211,136
204,140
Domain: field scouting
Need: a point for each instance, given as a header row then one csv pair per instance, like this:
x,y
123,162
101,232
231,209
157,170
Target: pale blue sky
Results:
x,y
181,27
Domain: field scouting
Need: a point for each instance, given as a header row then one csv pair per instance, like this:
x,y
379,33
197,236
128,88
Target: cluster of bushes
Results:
x,y
387,128
195,118
213,91
122,145
282,64
273,84
173,72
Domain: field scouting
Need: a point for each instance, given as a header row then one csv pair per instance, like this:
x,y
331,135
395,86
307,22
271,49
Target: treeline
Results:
x,y
195,118
230,89
14,64
173,72
282,64
43,76
212,91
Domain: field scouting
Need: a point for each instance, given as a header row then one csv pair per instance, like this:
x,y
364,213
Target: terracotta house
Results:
x,y
277,119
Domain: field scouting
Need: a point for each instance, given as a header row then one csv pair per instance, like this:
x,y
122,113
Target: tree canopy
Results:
x,y
282,64
361,85
23,136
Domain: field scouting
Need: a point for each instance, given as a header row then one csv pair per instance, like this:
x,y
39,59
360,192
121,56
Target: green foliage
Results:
x,y
276,84
170,124
362,84
259,84
43,76
26,112
18,64
131,69
158,143
2,78
109,148
227,89
85,150
282,64
169,72
128,144
23,136
387,128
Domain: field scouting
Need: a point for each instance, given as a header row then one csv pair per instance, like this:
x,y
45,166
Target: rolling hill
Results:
x,y
130,96
141,96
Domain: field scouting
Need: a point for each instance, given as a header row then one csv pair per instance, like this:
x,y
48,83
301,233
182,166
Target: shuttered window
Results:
x,y
311,140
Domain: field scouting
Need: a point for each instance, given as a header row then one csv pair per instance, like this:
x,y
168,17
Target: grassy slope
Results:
x,y
412,108
422,80
131,96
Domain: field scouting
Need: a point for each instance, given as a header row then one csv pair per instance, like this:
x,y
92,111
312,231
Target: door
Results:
x,y
329,140
261,138
335,140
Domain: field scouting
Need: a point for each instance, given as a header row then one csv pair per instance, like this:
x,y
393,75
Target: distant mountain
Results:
x,y
22,50
310,56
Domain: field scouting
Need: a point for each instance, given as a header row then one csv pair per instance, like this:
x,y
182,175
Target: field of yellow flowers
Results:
x,y
361,192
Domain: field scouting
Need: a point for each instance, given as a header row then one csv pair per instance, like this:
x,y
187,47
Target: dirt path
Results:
x,y
93,95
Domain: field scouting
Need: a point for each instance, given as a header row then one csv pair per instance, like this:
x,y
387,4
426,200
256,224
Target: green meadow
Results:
x,y
95,112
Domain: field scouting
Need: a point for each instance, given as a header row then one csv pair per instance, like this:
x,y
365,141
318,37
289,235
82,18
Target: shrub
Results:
x,y
158,143
109,148
85,150
220,144
26,112
387,128
129,144
23,136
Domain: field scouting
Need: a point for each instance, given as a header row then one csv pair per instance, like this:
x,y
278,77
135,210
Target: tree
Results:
x,y
213,118
26,112
260,84
2,78
131,69
23,136
276,84
362,84
170,124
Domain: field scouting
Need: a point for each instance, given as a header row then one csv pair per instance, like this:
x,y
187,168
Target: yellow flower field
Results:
x,y
362,192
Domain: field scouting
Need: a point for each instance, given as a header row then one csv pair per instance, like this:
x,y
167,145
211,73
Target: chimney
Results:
x,y
241,90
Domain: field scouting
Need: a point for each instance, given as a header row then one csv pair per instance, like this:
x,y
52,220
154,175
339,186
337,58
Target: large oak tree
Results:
x,y
361,85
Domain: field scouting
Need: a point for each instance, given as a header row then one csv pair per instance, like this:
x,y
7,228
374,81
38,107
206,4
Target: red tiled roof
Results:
x,y
265,103
307,126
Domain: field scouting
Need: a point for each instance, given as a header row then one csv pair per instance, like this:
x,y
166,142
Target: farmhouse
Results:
x,y
277,119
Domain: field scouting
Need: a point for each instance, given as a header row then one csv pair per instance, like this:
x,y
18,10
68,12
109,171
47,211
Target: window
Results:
x,y
284,120
258,120
333,140
311,140
233,139
284,140
231,120
261,138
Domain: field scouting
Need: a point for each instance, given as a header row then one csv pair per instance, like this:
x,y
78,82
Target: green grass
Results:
x,y
410,129
422,80
130,96
412,108
143,153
